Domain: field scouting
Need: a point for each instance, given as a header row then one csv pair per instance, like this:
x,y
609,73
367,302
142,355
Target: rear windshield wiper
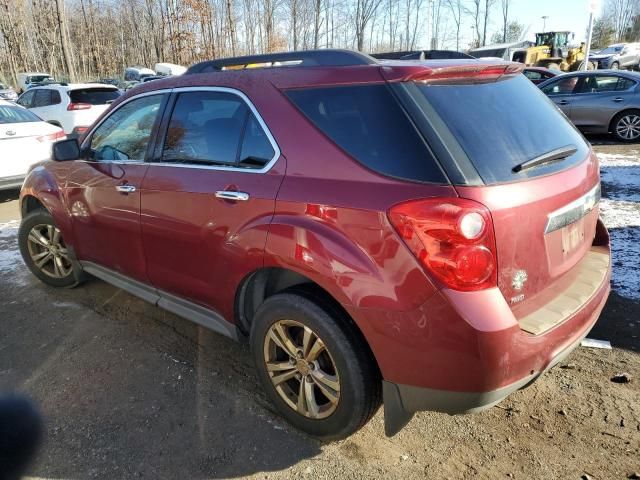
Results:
x,y
553,156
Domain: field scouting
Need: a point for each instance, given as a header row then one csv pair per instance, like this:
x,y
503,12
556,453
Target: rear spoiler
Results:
x,y
450,71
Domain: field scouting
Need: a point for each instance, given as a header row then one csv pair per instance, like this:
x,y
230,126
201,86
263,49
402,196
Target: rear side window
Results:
x,y
368,123
215,128
505,123
94,96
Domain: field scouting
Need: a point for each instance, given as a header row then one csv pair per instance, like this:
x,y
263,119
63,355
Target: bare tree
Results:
x,y
505,4
365,11
456,8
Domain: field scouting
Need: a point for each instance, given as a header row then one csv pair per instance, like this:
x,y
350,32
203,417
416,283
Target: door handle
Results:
x,y
563,102
618,99
231,195
125,188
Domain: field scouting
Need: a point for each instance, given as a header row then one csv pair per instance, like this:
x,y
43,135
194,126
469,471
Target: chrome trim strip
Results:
x,y
573,211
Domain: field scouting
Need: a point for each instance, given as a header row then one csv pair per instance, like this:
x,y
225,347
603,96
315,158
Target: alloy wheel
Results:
x,y
301,369
48,251
628,127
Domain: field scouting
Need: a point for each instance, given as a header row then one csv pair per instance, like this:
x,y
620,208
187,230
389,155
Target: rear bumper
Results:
x,y
463,352
402,401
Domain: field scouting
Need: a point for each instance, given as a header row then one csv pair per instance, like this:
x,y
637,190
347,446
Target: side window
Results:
x,y
55,97
42,98
125,134
625,84
532,75
205,129
26,99
256,150
562,86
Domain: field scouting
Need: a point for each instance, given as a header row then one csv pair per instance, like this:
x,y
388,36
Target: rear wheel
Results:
x,y
626,126
313,366
44,251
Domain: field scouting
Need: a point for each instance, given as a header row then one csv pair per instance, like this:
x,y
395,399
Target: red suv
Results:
x,y
424,233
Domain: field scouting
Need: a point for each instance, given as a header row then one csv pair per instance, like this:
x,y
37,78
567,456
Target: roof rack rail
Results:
x,y
305,58
421,55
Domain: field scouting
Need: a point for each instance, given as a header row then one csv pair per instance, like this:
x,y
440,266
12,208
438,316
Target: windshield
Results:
x,y
556,39
505,123
10,114
611,50
94,96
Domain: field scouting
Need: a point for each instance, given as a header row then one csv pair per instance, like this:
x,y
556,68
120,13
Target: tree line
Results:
x,y
78,40
618,23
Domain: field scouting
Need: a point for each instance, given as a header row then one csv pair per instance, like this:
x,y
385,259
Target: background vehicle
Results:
x,y
72,107
367,232
137,74
621,55
602,101
108,81
169,69
25,139
553,50
421,55
7,93
504,51
539,74
25,80
152,78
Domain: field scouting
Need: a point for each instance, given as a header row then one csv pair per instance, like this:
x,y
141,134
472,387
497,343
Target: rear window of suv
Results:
x,y
368,123
94,96
505,123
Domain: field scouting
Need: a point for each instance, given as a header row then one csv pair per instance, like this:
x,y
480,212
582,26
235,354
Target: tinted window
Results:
x,y
367,122
94,96
26,99
55,97
125,134
598,84
625,84
256,149
42,98
561,86
503,124
9,114
532,74
207,128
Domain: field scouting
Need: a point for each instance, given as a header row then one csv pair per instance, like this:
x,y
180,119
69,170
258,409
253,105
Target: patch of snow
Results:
x,y
9,229
10,259
618,160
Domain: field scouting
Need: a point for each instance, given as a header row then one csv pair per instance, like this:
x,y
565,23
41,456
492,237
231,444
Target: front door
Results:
x,y
209,196
104,188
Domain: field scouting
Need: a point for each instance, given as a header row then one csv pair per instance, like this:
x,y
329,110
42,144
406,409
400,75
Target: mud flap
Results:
x,y
395,415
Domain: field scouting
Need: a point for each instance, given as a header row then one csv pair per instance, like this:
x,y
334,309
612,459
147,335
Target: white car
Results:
x,y
72,107
24,140
25,80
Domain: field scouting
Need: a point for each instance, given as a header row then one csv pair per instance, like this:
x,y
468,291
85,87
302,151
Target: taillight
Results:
x,y
53,137
453,239
78,106
79,130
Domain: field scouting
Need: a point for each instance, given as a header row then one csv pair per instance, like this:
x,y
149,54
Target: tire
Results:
x,y
625,126
345,362
614,66
40,240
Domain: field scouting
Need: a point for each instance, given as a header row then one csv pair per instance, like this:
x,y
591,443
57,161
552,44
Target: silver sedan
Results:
x,y
601,101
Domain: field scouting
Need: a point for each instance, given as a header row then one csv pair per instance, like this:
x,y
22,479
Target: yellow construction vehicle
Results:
x,y
552,50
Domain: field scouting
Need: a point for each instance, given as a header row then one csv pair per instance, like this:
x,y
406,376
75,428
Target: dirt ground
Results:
x,y
131,391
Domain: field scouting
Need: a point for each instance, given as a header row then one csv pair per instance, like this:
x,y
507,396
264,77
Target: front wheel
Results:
x,y
44,251
615,66
626,126
313,366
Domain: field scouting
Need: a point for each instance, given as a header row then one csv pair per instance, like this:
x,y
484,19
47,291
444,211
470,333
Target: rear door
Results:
x,y
103,189
598,98
561,93
209,196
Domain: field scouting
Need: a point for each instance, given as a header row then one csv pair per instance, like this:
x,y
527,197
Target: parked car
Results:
x,y
151,78
73,107
108,81
621,55
539,74
169,69
25,140
7,93
366,232
26,79
137,74
602,101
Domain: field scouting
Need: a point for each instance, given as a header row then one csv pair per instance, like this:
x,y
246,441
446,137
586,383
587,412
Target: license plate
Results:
x,y
572,237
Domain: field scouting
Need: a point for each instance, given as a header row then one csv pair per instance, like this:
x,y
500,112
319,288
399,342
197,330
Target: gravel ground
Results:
x,y
131,391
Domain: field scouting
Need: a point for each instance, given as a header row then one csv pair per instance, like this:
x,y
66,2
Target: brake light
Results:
x,y
78,106
79,130
53,137
453,239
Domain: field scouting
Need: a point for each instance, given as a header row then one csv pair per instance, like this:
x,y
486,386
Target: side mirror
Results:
x,y
66,150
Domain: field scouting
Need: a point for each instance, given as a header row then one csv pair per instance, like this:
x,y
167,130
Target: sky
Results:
x,y
563,15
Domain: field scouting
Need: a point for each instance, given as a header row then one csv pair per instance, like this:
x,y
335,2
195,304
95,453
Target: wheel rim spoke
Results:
x,y
44,260
283,377
48,251
328,385
315,350
310,397
38,238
